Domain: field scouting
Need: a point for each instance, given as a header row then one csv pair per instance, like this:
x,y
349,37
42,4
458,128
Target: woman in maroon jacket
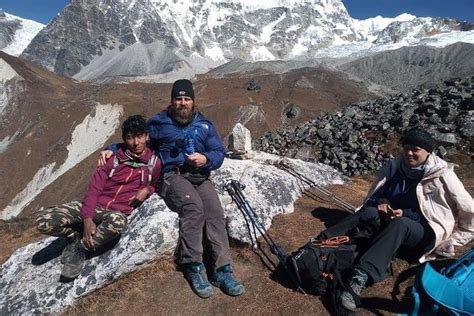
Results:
x,y
114,191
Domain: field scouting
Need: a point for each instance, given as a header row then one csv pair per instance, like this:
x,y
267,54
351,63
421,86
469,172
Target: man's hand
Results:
x,y
104,156
196,160
138,198
388,211
384,208
89,232
395,213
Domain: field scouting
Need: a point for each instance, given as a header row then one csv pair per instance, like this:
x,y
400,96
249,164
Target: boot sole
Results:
x,y
203,295
72,272
352,308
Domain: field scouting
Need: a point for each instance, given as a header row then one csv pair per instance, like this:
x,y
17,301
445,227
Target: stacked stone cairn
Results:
x,y
360,138
240,143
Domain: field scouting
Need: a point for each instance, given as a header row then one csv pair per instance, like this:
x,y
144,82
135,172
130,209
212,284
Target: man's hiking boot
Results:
x,y
76,257
195,273
357,284
224,279
67,254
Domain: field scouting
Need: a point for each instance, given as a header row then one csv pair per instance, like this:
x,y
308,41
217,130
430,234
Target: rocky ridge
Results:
x,y
100,39
355,140
176,31
413,66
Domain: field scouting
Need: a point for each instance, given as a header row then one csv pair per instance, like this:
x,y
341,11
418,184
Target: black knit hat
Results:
x,y
420,138
182,88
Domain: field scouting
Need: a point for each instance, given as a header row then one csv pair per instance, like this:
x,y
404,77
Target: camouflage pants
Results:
x,y
65,221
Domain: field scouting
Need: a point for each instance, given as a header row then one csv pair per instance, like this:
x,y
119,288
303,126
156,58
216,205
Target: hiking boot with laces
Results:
x,y
67,254
195,273
224,279
357,284
76,257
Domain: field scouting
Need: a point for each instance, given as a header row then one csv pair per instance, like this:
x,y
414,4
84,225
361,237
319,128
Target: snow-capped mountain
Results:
x,y
102,38
16,33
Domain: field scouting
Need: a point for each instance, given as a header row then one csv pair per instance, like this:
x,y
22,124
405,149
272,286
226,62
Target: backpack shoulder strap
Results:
x,y
114,166
151,166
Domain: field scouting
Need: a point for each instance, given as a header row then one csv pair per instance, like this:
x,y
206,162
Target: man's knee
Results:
x,y
56,218
182,197
47,221
400,223
369,213
211,202
44,223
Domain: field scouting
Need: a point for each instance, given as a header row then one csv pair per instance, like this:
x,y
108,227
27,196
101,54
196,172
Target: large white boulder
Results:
x,y
29,281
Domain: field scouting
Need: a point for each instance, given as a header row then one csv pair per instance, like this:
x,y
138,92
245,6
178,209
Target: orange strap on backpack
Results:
x,y
331,242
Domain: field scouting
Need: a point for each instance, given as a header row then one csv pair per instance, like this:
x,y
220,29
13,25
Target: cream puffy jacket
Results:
x,y
444,202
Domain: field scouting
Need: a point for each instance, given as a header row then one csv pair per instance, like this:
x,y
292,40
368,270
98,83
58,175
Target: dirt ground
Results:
x,y
160,289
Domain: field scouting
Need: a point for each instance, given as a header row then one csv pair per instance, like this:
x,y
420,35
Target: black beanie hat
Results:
x,y
420,138
182,88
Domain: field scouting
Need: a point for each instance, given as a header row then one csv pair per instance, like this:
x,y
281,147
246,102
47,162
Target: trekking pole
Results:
x,y
345,205
323,190
234,188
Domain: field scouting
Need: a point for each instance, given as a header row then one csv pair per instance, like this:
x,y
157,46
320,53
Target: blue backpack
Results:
x,y
448,292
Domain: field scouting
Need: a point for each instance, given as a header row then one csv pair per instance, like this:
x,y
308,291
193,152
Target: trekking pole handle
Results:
x,y
235,190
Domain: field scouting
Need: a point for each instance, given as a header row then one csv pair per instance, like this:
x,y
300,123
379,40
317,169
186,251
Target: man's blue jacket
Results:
x,y
167,138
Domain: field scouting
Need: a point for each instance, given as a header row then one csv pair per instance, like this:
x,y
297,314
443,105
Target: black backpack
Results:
x,y
322,264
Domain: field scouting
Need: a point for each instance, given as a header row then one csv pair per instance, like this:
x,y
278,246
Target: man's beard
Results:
x,y
181,117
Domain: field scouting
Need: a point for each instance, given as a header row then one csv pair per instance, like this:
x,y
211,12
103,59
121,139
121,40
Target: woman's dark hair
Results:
x,y
134,125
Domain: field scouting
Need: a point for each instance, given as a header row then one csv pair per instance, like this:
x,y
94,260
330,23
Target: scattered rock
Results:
x,y
253,86
293,111
352,140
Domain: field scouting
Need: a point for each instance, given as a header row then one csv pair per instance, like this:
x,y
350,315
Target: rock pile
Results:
x,y
354,140
252,85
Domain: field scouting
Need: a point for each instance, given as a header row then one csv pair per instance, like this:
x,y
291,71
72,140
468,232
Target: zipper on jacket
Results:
x,y
119,189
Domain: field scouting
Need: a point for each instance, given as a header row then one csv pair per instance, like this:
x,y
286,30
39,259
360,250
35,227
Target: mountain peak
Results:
x,y
99,39
16,33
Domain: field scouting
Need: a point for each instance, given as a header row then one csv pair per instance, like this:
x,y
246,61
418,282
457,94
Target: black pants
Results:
x,y
387,237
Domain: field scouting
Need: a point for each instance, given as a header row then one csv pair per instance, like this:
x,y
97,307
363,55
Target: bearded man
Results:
x,y
190,147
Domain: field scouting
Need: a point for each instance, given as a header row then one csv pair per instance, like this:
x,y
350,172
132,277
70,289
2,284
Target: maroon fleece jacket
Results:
x,y
114,193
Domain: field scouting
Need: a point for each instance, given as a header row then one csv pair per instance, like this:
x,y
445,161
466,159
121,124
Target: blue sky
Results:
x,y
459,9
44,10
38,10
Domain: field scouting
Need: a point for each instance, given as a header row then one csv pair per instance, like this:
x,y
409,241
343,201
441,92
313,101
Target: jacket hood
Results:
x,y
434,165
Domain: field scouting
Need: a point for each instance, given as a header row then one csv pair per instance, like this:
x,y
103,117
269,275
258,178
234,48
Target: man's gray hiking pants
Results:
x,y
200,214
